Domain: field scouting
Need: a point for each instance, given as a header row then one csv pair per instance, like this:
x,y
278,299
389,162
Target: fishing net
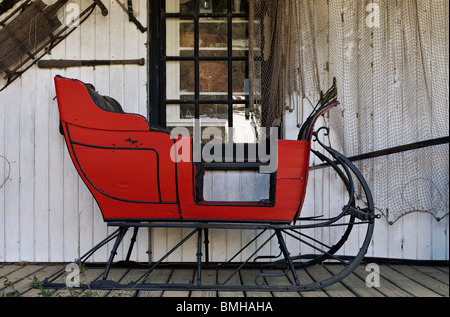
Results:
x,y
284,56
390,59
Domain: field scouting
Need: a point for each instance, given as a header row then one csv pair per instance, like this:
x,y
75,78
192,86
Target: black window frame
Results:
x,y
158,59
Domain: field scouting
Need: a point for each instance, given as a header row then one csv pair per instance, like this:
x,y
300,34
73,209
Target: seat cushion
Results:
x,y
105,102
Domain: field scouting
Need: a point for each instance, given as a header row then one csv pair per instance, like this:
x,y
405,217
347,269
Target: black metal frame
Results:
x,y
201,230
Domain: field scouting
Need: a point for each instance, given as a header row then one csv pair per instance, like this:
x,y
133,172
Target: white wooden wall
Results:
x,y
48,215
46,212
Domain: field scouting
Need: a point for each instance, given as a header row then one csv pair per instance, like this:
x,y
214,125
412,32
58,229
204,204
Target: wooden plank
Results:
x,y
158,243
24,270
424,231
319,273
174,236
159,276
11,191
57,148
443,268
23,286
189,248
131,276
26,171
387,288
440,239
209,277
280,280
184,276
305,279
142,246
8,268
434,272
41,167
397,284
424,280
405,282
55,187
64,292
355,283
87,276
116,274
16,277
248,278
223,275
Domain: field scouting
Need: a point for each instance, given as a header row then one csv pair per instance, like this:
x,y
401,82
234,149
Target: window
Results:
x,y
203,69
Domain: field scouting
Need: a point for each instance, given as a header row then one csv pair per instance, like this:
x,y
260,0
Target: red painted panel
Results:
x,y
289,191
76,107
130,171
129,161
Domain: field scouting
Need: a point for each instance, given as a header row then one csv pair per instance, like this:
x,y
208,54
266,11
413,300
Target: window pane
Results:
x,y
213,6
214,118
205,84
179,79
187,112
180,6
213,36
179,37
179,115
214,112
240,6
240,37
240,80
245,124
214,80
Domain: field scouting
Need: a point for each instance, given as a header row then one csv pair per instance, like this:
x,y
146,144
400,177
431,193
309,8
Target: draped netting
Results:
x,y
283,52
391,62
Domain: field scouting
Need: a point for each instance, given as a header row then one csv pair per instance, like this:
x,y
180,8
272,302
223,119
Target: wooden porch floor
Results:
x,y
395,281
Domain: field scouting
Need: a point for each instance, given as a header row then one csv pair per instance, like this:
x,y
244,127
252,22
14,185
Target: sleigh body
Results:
x,y
131,170
140,176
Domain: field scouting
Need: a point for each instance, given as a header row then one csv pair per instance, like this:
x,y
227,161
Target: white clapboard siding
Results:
x,y
48,215
46,211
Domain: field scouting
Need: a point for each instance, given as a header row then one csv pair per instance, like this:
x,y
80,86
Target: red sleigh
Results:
x,y
129,168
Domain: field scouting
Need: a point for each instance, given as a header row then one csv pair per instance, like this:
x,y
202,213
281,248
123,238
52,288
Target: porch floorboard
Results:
x,y
395,281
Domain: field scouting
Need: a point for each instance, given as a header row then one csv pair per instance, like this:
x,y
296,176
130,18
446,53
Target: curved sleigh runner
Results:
x,y
128,167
